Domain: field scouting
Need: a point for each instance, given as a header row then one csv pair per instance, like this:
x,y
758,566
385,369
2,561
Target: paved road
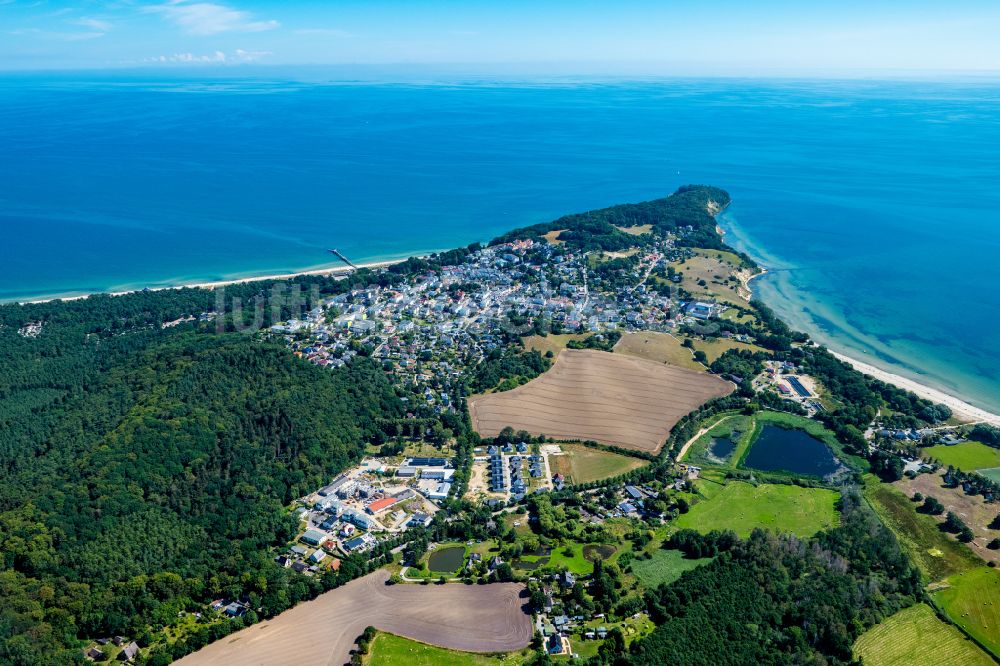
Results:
x,y
475,618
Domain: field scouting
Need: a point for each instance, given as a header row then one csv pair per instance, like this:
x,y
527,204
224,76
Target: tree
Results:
x,y
932,507
952,523
504,573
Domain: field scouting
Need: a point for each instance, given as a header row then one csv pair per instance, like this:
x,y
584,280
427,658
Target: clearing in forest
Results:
x,y
593,395
741,507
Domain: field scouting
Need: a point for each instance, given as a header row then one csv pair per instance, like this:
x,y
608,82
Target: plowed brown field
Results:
x,y
473,618
593,395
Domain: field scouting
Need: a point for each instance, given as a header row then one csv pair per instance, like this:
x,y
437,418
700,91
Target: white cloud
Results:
x,y
209,18
237,56
93,24
249,56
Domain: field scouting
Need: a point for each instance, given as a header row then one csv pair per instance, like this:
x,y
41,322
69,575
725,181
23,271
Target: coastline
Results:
x,y
960,408
333,270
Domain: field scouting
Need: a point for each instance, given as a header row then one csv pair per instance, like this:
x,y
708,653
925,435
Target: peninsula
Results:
x,y
583,441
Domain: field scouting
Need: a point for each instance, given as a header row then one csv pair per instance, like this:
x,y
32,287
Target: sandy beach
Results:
x,y
960,408
333,270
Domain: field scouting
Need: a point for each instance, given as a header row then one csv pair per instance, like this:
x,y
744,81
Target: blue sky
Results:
x,y
581,37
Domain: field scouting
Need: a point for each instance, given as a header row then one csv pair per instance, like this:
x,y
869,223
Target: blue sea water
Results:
x,y
875,205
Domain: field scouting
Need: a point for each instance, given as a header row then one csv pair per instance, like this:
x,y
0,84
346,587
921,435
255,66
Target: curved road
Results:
x,y
475,618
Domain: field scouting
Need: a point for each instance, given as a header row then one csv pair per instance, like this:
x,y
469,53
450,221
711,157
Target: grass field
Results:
x,y
665,348
713,267
972,601
935,554
741,507
665,567
715,348
915,635
551,343
660,347
583,464
966,456
391,650
637,230
576,562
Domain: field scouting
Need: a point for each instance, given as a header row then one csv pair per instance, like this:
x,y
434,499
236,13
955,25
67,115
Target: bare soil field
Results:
x,y
973,510
593,395
479,618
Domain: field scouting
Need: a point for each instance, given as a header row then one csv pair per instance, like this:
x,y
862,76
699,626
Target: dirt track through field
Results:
x,y
474,618
592,395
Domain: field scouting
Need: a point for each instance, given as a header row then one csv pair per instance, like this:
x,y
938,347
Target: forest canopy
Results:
x,y
142,469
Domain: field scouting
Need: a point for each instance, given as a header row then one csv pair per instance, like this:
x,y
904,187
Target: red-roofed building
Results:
x,y
381,505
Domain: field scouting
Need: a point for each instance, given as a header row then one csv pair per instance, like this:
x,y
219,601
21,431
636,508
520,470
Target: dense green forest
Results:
x,y
143,469
684,212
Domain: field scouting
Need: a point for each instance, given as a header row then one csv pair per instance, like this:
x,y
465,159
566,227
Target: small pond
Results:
x,y
721,448
446,560
781,449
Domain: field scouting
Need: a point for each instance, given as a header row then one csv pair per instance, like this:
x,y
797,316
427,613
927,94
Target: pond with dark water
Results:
x,y
721,447
446,560
787,450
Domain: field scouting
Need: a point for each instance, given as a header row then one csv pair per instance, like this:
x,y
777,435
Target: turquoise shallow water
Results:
x,y
875,204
